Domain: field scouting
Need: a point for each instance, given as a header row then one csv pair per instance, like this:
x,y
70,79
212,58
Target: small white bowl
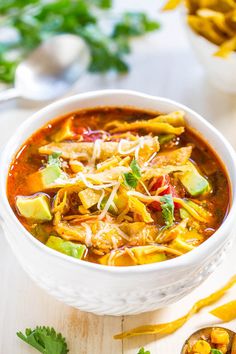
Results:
x,y
221,72
116,290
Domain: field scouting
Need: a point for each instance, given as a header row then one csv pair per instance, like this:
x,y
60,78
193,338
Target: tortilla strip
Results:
x,y
84,150
170,327
226,312
176,157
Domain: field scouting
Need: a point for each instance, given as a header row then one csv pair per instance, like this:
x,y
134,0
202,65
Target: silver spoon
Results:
x,y
50,70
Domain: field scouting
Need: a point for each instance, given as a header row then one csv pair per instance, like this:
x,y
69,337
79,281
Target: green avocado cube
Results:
x,y
50,174
194,182
44,178
35,207
72,249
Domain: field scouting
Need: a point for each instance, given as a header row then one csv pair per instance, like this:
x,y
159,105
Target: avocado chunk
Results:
x,y
35,207
72,249
193,181
42,179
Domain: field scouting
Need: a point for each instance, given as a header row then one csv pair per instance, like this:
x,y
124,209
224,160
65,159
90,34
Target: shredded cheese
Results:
x,y
100,200
88,237
92,186
143,197
150,159
109,201
96,151
122,152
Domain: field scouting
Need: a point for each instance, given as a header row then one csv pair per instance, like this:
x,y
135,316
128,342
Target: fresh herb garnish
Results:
x,y
143,351
135,169
54,159
36,20
167,206
216,351
131,178
165,138
45,340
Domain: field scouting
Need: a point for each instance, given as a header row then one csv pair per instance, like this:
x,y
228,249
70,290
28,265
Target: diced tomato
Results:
x,y
161,182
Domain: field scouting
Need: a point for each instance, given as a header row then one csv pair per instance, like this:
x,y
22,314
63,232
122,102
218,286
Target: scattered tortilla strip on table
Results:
x,y
171,4
170,327
226,312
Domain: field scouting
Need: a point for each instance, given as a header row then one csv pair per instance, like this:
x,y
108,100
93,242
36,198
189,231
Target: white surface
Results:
x,y
161,65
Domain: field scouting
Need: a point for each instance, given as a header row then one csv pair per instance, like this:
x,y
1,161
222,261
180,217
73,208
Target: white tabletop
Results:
x,y
162,64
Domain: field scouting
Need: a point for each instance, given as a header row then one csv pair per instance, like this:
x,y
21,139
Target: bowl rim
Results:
x,y
192,257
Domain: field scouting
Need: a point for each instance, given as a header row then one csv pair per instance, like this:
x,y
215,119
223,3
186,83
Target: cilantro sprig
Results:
x,y
36,20
45,340
54,159
167,206
143,351
131,178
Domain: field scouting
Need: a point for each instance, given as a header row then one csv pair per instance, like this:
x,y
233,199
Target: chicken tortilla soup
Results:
x,y
118,186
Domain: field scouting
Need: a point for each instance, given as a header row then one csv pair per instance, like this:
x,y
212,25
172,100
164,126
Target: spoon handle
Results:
x,y
9,94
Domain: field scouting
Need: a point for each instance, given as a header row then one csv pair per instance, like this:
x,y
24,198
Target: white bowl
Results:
x,y
221,72
116,290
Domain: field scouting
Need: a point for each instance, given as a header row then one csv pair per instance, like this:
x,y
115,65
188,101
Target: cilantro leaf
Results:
x,y
216,351
143,351
45,340
34,21
134,24
135,169
54,159
130,180
167,206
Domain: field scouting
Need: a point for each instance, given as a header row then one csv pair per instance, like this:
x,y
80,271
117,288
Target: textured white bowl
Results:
x,y
220,71
113,290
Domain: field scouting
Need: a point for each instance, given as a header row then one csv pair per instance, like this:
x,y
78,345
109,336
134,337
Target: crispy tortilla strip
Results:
x,y
149,173
170,327
176,157
218,18
84,150
206,28
171,5
172,123
226,312
139,208
226,48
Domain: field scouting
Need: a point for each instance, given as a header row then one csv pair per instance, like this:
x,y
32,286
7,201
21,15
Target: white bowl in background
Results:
x,y
220,71
105,289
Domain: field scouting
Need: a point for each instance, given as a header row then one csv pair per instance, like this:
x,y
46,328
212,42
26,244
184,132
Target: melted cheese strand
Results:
x,y
96,151
100,200
109,201
92,186
143,197
122,152
88,237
